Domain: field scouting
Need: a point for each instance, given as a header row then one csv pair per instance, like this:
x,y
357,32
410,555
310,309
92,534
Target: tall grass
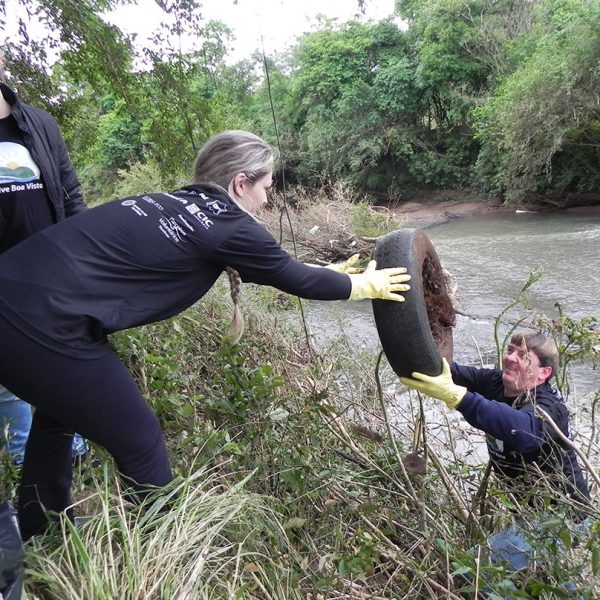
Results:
x,y
205,537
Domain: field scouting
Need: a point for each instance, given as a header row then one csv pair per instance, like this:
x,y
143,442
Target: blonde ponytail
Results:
x,y
236,327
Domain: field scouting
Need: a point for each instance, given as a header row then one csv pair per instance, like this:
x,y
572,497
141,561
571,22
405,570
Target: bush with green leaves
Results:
x,y
539,124
368,222
281,493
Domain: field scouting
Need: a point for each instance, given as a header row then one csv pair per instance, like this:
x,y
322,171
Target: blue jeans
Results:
x,y
15,423
511,547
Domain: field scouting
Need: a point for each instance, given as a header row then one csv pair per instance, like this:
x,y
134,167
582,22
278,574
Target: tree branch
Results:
x,y
563,438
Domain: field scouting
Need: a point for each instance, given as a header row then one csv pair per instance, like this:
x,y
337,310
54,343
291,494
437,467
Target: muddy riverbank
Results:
x,y
427,214
422,215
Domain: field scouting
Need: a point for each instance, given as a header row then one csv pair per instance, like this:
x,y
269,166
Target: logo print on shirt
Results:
x,y
17,165
194,210
134,207
182,200
216,207
495,446
152,201
171,229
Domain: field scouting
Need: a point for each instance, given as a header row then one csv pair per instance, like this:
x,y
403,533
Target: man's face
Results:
x,y
521,370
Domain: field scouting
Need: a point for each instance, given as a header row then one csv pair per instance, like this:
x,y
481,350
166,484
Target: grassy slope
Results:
x,y
279,493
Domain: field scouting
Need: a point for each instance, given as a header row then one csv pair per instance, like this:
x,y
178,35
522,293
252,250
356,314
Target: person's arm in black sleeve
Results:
x,y
258,258
315,283
68,180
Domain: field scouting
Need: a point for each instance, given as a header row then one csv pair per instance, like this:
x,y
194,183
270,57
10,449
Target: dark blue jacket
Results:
x,y
42,138
516,438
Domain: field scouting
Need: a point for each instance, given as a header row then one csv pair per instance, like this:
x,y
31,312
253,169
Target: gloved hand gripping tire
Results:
x,y
346,266
379,285
441,387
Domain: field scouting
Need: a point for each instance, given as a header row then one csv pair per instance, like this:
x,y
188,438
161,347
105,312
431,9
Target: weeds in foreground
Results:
x,y
204,537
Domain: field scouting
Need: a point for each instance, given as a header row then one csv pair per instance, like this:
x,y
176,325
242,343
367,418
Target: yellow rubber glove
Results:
x,y
380,285
441,387
347,266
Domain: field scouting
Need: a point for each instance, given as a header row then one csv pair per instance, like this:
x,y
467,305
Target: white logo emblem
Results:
x,y
128,202
216,207
192,208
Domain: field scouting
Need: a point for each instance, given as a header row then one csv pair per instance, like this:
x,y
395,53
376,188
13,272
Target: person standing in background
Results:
x,y
38,187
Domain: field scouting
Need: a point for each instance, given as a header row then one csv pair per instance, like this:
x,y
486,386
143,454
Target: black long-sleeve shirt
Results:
x,y
139,260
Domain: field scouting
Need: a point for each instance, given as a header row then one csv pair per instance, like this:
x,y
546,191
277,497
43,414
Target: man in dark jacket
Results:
x,y
526,452
504,404
38,187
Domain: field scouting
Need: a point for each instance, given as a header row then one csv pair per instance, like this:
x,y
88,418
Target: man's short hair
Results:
x,y
544,348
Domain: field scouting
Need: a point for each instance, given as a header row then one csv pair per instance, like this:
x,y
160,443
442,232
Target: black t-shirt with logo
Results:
x,y
24,205
138,260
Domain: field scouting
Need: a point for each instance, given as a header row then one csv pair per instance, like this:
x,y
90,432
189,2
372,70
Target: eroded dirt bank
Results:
x,y
427,214
421,215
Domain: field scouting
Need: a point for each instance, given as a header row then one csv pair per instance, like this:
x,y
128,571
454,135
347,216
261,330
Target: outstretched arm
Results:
x,y
518,427
255,254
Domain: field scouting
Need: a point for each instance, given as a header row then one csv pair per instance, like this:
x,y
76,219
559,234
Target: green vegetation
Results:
x,y
280,493
293,481
496,98
216,538
368,223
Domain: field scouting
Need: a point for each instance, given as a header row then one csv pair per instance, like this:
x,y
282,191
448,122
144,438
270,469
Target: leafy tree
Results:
x,y
352,89
460,48
540,130
90,49
104,139
389,109
499,94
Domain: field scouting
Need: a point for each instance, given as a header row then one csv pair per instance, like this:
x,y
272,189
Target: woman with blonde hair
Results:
x,y
126,263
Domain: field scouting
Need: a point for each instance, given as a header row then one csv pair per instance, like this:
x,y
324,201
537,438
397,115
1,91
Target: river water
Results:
x,y
491,258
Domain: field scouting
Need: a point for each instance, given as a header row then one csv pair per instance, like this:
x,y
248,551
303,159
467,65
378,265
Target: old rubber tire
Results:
x,y
416,333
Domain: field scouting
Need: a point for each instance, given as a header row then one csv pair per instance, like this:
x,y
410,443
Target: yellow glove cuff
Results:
x,y
454,396
441,387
